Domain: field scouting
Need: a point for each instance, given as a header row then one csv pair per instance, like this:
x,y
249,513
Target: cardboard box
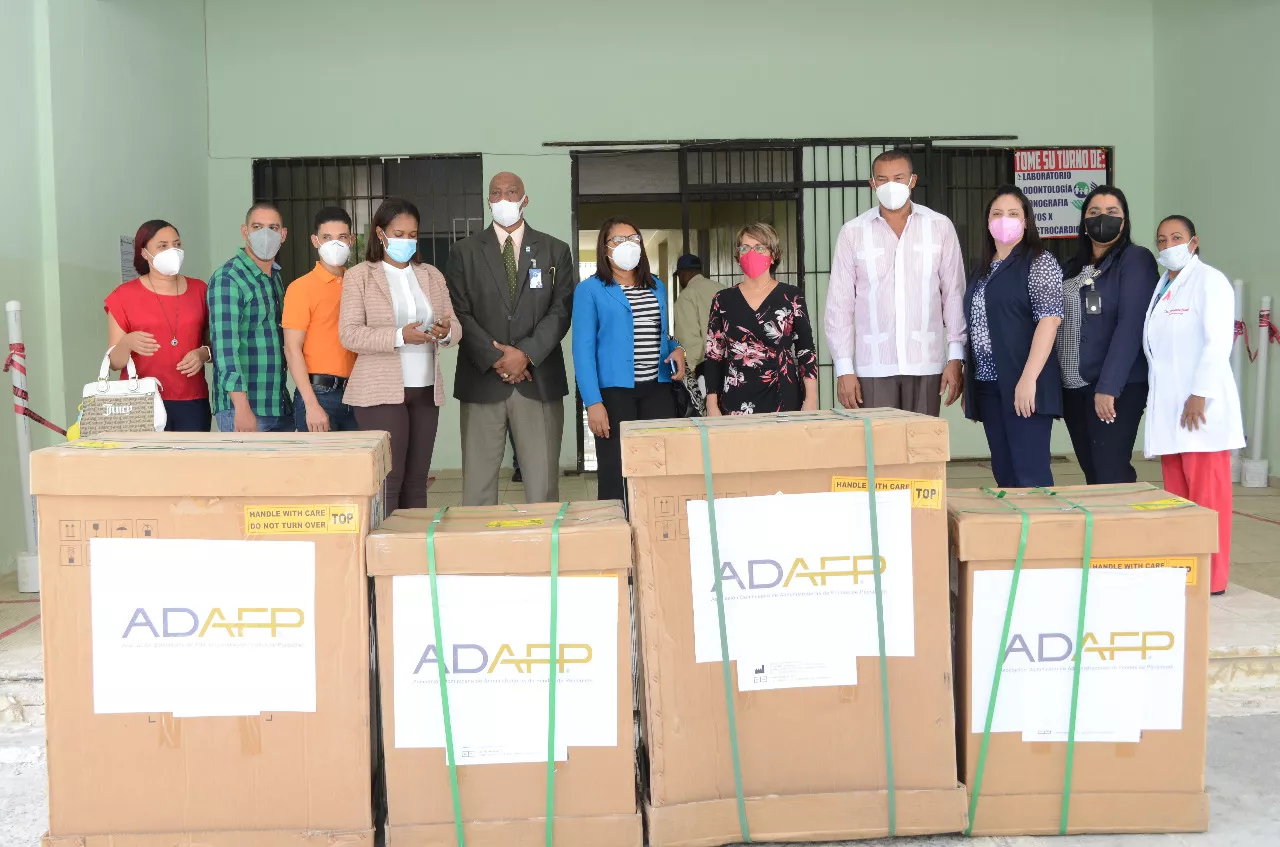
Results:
x,y
117,522
813,758
1155,784
504,805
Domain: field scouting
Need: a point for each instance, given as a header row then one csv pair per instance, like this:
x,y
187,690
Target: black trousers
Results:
x,y
1105,450
646,402
412,426
188,415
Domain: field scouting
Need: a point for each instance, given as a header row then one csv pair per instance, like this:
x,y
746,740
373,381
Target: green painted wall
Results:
x,y
105,108
1217,122
130,144
432,78
21,249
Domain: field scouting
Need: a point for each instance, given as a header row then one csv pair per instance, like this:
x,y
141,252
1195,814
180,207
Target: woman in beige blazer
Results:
x,y
395,316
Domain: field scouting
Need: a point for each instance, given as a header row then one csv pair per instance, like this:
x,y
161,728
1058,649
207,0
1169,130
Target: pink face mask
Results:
x,y
754,264
1005,230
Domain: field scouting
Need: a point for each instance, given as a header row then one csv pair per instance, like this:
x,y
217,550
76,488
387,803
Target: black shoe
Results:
x,y
1218,593
516,476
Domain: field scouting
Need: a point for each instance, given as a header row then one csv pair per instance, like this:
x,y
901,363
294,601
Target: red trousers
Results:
x,y
1205,479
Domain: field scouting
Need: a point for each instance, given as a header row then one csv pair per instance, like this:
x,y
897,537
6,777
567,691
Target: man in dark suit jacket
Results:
x,y
512,289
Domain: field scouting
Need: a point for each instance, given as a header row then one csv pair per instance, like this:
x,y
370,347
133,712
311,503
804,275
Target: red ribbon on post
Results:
x,y
16,360
1242,331
1268,328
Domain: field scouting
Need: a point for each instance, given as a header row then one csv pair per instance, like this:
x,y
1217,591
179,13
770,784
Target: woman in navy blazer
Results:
x,y
623,354
1014,306
1107,287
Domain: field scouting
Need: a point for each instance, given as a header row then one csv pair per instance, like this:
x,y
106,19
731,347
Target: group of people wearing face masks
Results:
x,y
1099,343
362,343
1023,340
753,340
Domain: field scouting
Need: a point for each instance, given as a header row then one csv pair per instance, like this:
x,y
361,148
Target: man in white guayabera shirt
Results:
x,y
895,301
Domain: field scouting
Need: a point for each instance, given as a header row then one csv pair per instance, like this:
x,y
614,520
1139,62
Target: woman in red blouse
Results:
x,y
161,319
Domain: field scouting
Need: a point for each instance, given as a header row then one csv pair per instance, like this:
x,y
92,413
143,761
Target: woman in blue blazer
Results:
x,y
1107,287
623,352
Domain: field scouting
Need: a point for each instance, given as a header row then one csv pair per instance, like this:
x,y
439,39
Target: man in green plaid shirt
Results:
x,y
246,298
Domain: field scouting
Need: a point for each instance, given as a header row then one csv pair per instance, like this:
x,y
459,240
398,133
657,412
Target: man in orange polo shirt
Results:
x,y
317,361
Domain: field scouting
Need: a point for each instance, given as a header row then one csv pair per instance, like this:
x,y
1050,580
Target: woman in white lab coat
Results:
x,y
1193,411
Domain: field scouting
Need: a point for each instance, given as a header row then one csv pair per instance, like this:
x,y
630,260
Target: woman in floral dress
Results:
x,y
760,355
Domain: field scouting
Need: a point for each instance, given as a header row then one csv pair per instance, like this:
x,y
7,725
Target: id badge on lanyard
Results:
x,y
1092,297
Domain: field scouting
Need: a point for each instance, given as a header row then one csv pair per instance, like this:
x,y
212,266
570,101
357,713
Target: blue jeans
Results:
x,y
188,415
341,418
266,423
1019,446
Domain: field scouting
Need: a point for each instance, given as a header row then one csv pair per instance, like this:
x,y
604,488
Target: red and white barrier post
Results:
x,y
28,563
1237,364
1254,470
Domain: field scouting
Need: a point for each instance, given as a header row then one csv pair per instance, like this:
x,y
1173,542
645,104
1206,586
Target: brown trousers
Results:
x,y
909,393
412,425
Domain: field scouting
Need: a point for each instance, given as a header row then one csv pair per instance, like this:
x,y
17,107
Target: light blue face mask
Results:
x,y
401,249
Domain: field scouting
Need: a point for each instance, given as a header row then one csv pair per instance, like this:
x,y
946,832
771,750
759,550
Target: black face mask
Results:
x,y
1104,229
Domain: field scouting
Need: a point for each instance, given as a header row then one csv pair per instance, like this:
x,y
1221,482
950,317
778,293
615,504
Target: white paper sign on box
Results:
x,y
496,630
796,572
1134,652
199,627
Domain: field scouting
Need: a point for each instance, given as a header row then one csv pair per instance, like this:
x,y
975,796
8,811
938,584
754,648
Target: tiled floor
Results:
x,y
446,488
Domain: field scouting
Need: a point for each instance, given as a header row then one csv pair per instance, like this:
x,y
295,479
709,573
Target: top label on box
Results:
x,y
925,493
301,520
515,522
1167,503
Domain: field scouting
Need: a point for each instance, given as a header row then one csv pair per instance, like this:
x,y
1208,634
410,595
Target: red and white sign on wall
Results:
x,y
1056,181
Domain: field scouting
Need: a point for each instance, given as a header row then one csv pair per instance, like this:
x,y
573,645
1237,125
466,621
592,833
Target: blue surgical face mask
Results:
x,y
401,249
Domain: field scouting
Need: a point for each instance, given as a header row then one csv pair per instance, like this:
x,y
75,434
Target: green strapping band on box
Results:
x,y
552,669
724,635
724,638
1085,568
440,670
874,520
1002,654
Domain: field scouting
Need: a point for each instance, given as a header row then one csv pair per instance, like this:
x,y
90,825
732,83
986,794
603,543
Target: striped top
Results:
x,y
648,331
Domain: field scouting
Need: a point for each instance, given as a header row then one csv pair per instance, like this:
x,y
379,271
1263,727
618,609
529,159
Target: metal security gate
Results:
x,y
448,191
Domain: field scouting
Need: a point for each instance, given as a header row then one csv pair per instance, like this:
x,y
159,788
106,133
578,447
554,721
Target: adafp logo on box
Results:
x,y
475,658
1060,647
768,573
181,622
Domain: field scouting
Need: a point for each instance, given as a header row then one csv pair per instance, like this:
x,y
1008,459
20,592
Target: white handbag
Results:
x,y
124,405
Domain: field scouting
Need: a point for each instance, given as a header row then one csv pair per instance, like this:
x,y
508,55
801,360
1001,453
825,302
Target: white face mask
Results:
x,y
334,253
893,195
626,256
506,212
168,262
1175,258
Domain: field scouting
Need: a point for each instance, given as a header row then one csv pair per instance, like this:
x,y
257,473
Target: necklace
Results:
x,y
177,302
